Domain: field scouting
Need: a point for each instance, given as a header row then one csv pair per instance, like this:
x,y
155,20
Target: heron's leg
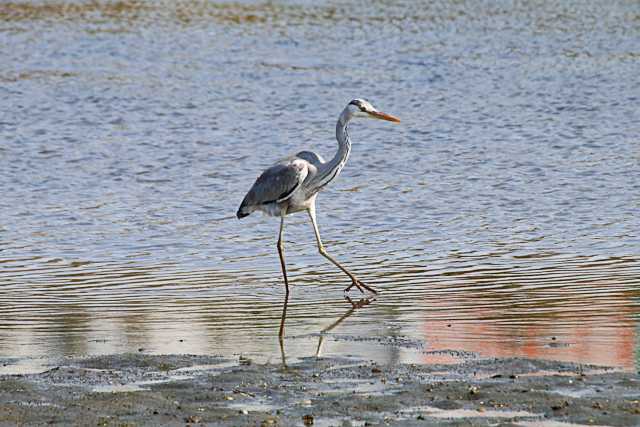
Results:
x,y
281,253
281,331
283,317
355,282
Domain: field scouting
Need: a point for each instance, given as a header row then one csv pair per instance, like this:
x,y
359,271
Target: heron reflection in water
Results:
x,y
292,185
354,306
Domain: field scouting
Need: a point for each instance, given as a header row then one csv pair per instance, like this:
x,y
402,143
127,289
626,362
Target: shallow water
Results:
x,y
500,218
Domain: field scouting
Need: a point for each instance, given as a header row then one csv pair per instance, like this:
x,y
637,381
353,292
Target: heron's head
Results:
x,y
362,108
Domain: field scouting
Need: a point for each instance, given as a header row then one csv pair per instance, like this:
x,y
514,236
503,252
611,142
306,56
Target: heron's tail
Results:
x,y
243,211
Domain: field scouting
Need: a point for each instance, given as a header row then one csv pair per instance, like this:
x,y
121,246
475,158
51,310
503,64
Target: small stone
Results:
x,y
307,420
559,406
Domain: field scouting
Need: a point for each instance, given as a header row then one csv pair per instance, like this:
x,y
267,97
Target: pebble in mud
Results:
x,y
268,422
193,419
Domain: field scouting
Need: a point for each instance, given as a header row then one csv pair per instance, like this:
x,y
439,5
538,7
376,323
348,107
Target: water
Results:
x,y
500,218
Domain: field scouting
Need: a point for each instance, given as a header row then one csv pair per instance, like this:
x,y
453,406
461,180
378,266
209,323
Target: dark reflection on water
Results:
x,y
500,218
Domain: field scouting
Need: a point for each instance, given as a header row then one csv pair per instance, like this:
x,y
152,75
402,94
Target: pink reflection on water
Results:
x,y
578,342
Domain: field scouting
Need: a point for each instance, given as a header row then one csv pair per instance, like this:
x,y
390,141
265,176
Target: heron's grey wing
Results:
x,y
275,185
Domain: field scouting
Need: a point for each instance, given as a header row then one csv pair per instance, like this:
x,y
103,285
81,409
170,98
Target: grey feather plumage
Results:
x,y
291,184
275,186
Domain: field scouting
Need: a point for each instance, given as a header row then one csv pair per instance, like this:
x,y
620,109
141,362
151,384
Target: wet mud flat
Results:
x,y
140,389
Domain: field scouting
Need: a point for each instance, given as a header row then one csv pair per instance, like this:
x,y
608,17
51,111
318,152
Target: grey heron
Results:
x,y
292,184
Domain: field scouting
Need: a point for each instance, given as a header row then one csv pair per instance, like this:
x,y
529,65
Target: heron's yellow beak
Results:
x,y
383,116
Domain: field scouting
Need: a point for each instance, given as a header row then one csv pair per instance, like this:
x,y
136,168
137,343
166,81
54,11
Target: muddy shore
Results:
x,y
140,389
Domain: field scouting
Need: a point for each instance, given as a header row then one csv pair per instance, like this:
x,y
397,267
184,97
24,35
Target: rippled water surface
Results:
x,y
500,218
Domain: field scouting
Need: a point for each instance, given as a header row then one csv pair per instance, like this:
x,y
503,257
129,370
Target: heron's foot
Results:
x,y
361,286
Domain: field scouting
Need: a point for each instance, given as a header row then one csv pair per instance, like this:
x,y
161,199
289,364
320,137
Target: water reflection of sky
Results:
x,y
500,218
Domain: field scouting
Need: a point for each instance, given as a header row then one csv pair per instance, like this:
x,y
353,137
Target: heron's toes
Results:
x,y
361,287
357,284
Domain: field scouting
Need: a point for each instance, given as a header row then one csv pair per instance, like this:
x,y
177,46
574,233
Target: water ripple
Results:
x,y
499,218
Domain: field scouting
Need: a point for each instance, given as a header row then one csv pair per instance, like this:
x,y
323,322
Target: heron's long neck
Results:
x,y
330,170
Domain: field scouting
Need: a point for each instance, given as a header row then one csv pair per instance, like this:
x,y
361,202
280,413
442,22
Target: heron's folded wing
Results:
x,y
277,183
